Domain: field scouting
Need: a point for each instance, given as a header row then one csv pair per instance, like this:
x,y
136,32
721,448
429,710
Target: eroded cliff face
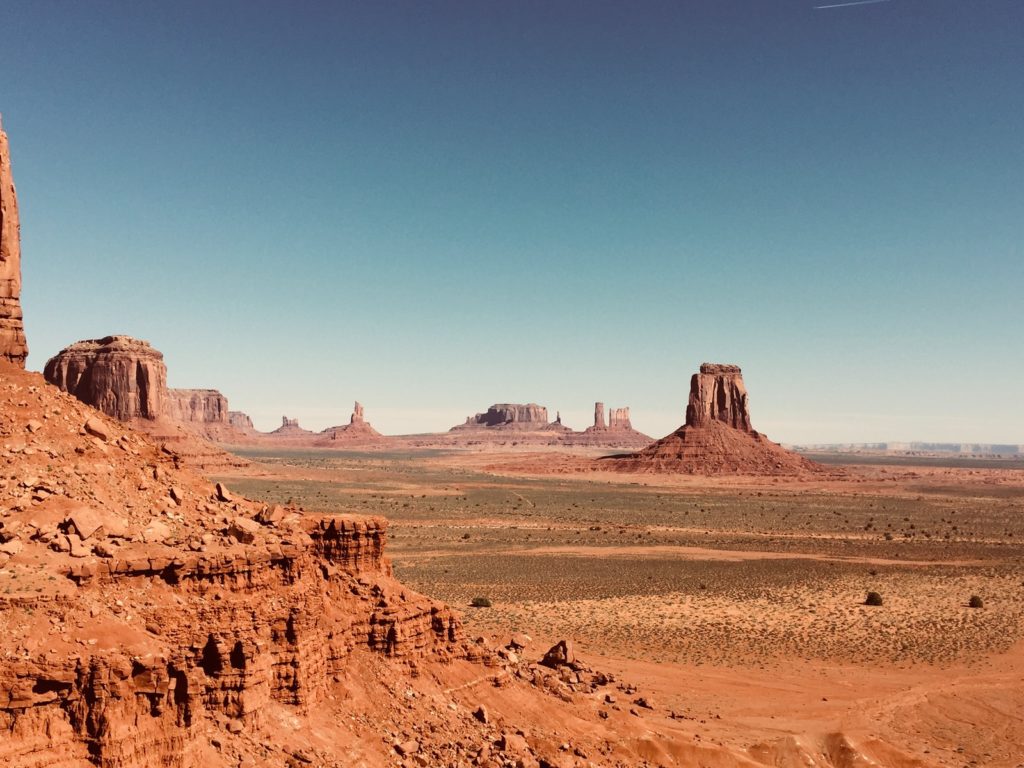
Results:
x,y
198,406
13,346
123,377
717,393
143,608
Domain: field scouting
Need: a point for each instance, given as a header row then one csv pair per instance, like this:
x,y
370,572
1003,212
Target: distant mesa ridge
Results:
x,y
511,415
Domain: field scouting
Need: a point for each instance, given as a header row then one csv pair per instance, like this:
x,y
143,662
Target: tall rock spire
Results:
x,y
13,346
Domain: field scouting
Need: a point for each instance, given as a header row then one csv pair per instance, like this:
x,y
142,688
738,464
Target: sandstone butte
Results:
x,y
13,346
717,437
126,379
358,430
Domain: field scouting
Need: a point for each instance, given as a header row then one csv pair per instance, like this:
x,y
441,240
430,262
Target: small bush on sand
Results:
x,y
873,598
481,602
975,602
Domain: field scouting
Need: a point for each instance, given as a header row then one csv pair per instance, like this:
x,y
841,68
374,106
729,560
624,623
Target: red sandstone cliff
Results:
x,y
124,377
13,346
150,610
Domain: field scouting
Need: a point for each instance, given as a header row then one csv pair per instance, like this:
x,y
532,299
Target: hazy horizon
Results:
x,y
431,208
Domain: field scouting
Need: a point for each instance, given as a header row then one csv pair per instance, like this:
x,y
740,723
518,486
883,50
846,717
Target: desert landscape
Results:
x,y
478,219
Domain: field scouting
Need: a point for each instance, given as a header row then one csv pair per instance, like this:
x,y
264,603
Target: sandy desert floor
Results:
x,y
739,602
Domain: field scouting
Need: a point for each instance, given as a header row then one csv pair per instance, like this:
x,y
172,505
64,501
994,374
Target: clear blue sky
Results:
x,y
435,206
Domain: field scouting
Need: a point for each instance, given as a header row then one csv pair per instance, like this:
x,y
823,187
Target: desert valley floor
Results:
x,y
736,603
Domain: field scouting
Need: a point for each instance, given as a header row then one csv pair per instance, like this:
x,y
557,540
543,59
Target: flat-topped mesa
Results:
x,y
199,406
717,393
505,414
599,422
357,414
13,346
286,422
124,377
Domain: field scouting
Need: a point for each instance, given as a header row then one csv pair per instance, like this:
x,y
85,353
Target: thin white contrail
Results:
x,y
855,2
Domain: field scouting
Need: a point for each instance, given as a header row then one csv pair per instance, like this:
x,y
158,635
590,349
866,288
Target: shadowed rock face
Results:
x,y
124,377
13,346
717,393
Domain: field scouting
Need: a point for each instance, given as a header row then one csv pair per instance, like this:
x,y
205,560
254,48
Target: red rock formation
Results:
x,y
241,421
124,377
619,419
358,430
173,610
13,346
290,428
198,406
717,437
717,393
509,415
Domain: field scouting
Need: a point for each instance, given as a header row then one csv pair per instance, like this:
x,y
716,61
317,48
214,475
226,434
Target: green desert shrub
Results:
x,y
873,598
481,602
976,602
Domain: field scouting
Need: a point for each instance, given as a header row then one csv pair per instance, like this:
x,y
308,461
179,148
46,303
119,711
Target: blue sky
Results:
x,y
431,207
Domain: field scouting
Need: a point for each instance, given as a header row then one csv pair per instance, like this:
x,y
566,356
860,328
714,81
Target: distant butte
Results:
x,y
357,430
717,437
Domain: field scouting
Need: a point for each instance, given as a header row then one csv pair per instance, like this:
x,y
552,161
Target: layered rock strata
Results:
x,y
123,377
13,346
717,437
150,609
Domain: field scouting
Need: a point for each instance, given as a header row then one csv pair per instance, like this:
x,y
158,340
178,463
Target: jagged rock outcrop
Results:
x,y
717,437
13,346
151,610
717,393
124,377
241,421
357,414
198,406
